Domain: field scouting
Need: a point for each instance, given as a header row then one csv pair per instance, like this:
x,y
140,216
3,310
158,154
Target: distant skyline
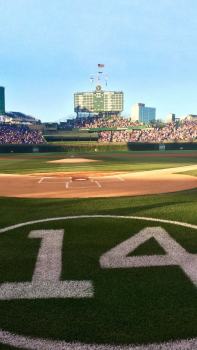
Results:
x,y
48,49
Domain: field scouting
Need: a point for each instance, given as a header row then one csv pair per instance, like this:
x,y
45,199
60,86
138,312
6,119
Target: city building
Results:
x,y
170,118
143,114
191,117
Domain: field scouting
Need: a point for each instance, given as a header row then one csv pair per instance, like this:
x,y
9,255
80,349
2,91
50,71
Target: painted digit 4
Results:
x,y
175,254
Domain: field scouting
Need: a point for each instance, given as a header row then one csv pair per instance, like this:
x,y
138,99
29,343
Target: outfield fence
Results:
x,y
93,147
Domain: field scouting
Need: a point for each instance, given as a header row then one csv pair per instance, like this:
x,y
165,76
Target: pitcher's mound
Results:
x,y
73,160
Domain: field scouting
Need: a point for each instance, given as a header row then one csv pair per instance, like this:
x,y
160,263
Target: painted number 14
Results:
x,y
46,278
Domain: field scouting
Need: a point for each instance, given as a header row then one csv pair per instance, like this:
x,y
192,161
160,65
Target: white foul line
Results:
x,y
119,178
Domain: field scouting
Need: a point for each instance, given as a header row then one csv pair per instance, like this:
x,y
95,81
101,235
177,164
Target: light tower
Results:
x,y
2,100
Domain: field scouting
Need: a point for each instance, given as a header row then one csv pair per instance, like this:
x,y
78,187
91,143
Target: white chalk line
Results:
x,y
107,179
89,187
99,185
44,180
29,343
113,178
98,216
53,182
120,178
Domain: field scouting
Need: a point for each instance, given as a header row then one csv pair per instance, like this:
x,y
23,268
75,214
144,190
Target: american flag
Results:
x,y
101,65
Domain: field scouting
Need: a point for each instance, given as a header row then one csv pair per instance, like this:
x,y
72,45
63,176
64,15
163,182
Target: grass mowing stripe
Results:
x,y
113,162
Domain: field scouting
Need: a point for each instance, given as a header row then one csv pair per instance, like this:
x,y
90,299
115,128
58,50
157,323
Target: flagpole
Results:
x,y
97,74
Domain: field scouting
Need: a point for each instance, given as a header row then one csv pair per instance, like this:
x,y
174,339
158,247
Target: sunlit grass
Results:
x,y
107,162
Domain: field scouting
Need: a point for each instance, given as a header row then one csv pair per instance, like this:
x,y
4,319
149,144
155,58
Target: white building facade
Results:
x,y
170,118
143,114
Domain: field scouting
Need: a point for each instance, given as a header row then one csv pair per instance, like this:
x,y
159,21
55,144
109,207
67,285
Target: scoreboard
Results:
x,y
98,101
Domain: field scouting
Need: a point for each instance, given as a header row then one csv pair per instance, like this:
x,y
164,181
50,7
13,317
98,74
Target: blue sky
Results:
x,y
48,48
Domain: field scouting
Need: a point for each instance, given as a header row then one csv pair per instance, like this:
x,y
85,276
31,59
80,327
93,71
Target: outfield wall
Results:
x,y
72,136
102,147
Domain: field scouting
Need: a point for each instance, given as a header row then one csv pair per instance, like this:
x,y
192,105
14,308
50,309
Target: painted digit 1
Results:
x,y
46,278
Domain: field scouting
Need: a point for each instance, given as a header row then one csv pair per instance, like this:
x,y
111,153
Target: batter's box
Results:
x,y
114,178
54,180
85,183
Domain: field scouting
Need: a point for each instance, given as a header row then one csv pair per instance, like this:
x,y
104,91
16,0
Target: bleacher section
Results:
x,y
96,130
122,130
19,134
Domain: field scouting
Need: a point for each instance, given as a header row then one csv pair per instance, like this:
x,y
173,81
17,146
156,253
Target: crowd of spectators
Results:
x,y
98,122
105,136
19,134
187,130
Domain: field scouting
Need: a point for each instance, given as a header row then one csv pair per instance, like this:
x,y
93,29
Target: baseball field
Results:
x,y
98,251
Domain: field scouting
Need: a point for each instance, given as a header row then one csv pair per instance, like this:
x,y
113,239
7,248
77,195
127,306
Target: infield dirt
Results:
x,y
97,184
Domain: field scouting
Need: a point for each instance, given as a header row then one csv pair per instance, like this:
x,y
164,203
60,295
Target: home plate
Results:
x,y
80,179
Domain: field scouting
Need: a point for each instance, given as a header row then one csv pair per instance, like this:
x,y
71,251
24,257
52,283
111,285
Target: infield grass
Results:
x,y
191,172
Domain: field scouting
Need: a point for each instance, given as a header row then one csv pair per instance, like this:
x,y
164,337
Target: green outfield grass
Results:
x,y
16,164
138,305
